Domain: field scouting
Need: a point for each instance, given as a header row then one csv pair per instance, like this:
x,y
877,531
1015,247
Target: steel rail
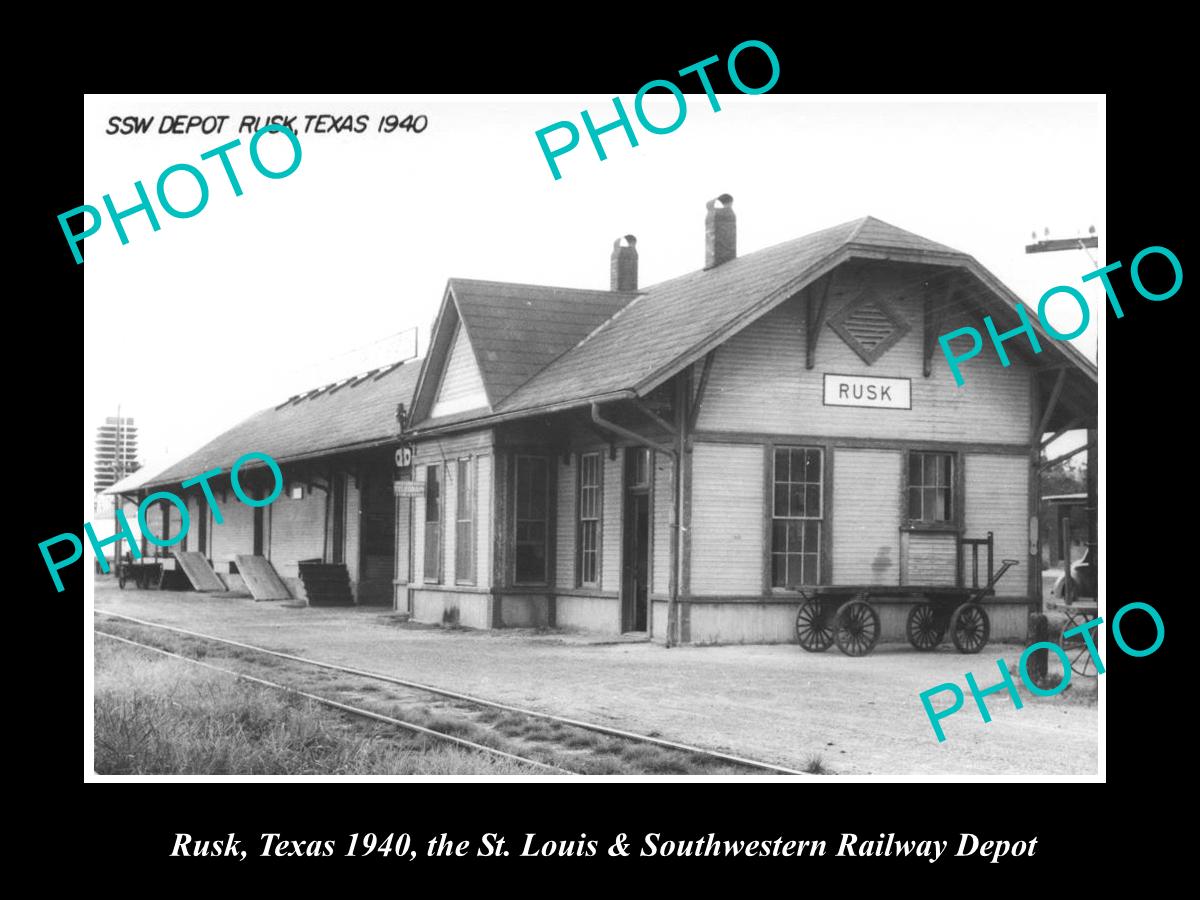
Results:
x,y
468,698
344,707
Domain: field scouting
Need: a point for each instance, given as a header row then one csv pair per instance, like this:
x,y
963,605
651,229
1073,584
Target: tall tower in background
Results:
x,y
116,451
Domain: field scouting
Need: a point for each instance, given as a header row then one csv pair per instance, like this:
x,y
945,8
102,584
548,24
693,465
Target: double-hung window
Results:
x,y
797,516
433,524
464,522
589,519
930,488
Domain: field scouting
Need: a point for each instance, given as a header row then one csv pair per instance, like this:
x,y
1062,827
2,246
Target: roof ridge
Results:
x,y
858,226
342,381
545,287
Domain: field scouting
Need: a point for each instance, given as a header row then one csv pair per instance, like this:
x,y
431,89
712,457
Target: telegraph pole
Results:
x,y
1050,245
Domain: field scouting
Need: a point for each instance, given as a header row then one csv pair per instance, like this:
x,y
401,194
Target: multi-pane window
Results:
x,y
796,515
433,524
930,487
464,522
532,511
638,467
589,519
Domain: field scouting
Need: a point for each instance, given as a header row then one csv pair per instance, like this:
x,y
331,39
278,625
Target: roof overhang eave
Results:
x,y
530,412
356,447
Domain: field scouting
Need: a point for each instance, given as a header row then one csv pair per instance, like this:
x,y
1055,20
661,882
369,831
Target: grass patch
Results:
x,y
149,723
157,716
815,765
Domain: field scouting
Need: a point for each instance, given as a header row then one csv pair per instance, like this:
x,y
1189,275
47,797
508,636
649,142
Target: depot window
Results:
x,y
433,524
464,522
589,519
797,516
532,520
930,488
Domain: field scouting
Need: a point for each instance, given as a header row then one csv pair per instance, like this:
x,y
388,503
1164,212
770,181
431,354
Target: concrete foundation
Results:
x,y
468,609
591,613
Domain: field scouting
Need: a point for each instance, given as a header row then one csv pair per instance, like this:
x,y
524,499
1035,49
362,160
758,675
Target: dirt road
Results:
x,y
775,703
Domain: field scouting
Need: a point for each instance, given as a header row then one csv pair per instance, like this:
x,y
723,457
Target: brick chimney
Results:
x,y
720,232
623,270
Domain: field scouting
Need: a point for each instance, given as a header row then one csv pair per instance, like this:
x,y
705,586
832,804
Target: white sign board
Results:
x,y
409,488
865,390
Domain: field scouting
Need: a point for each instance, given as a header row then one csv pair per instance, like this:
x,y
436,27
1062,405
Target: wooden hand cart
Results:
x,y
844,615
147,573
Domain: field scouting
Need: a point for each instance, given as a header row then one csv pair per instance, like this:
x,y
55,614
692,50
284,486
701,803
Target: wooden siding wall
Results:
x,y
353,504
929,558
568,475
196,507
483,520
866,516
727,519
997,501
484,469
297,531
404,546
449,513
664,498
233,536
176,523
462,385
418,532
759,382
613,487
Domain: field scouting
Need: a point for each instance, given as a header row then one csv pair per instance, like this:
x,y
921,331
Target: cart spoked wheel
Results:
x,y
924,630
122,577
1076,648
856,628
969,628
814,627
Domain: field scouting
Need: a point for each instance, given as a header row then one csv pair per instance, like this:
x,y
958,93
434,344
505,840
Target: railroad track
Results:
x,y
344,707
437,691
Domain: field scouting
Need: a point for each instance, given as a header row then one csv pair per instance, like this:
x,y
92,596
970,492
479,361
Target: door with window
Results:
x,y
635,549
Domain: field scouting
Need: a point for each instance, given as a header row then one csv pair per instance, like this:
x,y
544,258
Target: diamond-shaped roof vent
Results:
x,y
870,326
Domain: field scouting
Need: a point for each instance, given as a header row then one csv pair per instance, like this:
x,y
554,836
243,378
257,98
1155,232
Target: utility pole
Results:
x,y
1050,245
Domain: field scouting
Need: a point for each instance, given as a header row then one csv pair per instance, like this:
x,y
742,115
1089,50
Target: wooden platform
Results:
x,y
198,571
261,578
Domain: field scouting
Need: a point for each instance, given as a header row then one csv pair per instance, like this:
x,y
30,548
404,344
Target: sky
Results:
x,y
327,272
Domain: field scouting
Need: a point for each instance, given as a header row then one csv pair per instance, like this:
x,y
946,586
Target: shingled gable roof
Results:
x,y
351,414
514,330
674,323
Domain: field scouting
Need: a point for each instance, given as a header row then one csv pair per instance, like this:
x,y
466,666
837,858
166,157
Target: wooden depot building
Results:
x,y
679,460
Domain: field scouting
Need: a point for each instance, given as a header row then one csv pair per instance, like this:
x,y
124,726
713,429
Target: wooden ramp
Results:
x,y
261,578
198,571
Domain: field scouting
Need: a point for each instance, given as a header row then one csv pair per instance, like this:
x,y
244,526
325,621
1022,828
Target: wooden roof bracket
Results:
x,y
1065,456
1071,426
600,422
1053,404
698,400
658,420
814,317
